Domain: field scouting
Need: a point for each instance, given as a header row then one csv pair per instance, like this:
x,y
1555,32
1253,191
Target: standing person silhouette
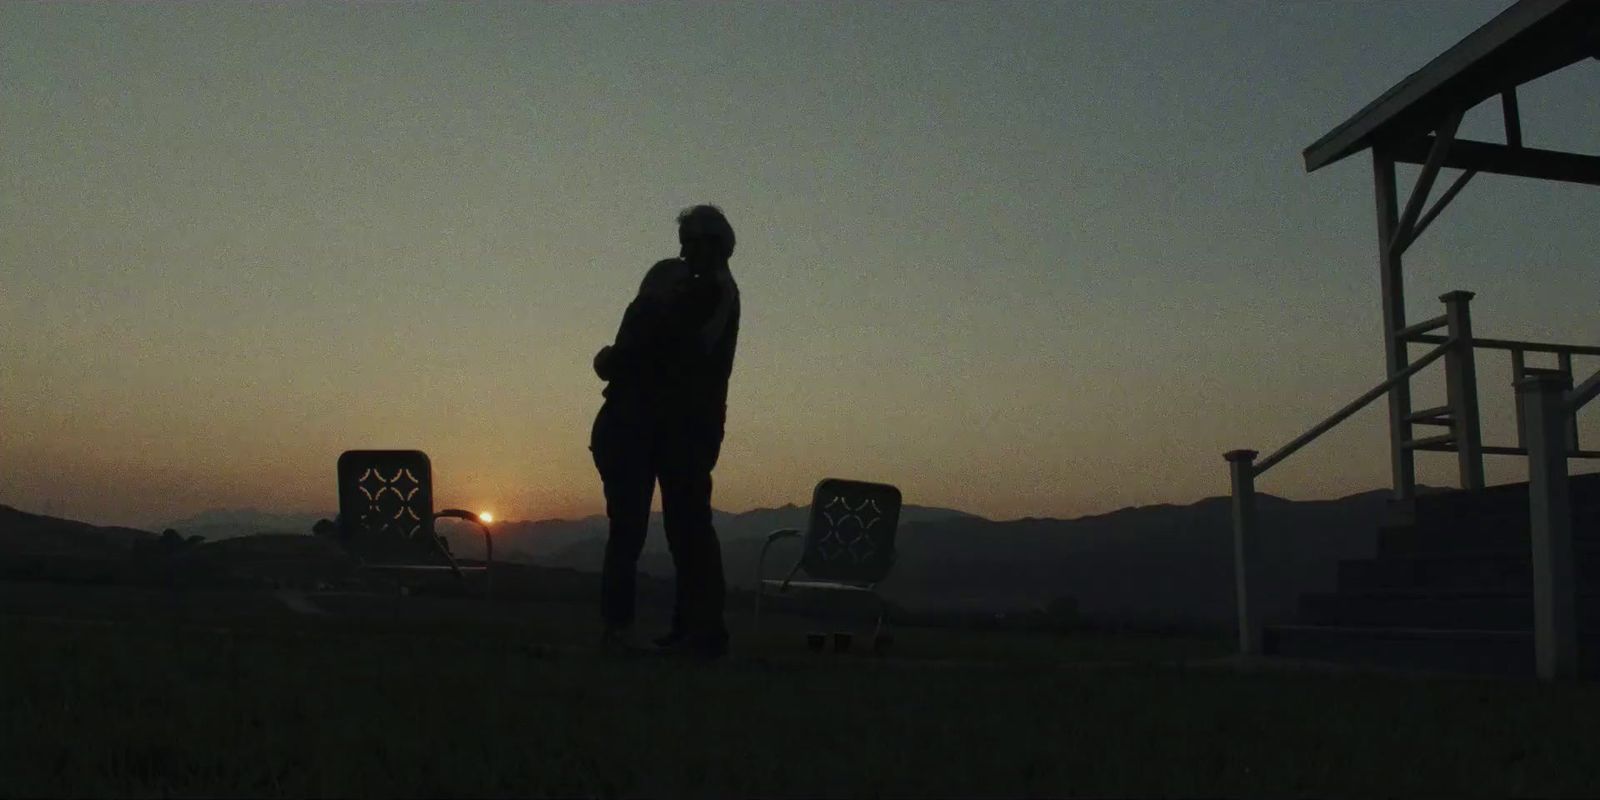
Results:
x,y
662,420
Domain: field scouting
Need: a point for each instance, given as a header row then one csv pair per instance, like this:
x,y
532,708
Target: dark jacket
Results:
x,y
674,350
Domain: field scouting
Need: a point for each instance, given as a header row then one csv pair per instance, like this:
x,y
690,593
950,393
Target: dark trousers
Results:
x,y
633,452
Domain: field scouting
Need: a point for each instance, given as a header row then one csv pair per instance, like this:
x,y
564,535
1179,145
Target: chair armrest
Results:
x,y
488,541
781,533
761,570
761,565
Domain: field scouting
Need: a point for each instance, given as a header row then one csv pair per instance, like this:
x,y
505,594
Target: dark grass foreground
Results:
x,y
292,707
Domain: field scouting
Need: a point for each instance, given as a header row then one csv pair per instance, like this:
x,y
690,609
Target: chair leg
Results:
x,y
488,561
756,622
455,569
881,638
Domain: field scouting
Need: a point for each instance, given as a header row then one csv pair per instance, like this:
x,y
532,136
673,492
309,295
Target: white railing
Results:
x,y
1548,405
1461,415
1243,472
1457,347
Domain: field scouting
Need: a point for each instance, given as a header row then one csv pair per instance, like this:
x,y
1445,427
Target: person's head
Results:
x,y
705,235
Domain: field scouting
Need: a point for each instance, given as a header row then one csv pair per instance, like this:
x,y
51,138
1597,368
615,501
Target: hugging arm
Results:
x,y
648,325
627,355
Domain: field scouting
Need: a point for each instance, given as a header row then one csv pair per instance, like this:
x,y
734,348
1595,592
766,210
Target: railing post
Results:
x,y
1246,552
1402,459
1555,611
1518,364
1564,366
1461,377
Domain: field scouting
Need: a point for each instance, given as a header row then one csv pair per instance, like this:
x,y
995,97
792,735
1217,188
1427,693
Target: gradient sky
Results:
x,y
1018,258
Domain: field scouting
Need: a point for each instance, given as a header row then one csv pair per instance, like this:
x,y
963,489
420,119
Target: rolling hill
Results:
x,y
1160,564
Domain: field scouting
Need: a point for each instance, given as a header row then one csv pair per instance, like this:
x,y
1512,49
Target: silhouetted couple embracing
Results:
x,y
666,399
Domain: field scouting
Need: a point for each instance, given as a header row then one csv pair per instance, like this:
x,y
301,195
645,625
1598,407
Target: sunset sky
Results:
x,y
1023,259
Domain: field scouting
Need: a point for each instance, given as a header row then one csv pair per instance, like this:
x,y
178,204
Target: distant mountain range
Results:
x,y
533,539
21,532
1160,564
224,523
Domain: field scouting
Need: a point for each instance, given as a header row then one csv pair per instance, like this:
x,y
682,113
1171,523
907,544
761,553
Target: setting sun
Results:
x,y
485,516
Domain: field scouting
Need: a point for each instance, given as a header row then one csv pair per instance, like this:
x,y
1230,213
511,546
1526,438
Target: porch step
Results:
x,y
1449,588
1469,652
1471,610
1503,534
1496,570
1496,507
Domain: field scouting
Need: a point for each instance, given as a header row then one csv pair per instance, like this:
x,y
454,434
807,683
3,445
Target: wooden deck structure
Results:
x,y
1416,122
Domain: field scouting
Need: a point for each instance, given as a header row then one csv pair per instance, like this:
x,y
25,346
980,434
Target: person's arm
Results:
x,y
627,354
723,308
705,308
641,327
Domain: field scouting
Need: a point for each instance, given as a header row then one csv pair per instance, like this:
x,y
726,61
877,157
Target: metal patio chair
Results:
x,y
386,517
849,545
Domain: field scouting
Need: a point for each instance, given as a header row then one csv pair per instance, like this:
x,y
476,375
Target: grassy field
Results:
x,y
215,702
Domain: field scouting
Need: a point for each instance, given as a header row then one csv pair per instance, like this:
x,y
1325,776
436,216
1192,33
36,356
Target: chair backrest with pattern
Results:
x,y
386,496
851,534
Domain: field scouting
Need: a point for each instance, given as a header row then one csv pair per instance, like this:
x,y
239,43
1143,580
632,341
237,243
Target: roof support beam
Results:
x,y
1498,159
1513,117
1585,392
1438,206
1403,233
